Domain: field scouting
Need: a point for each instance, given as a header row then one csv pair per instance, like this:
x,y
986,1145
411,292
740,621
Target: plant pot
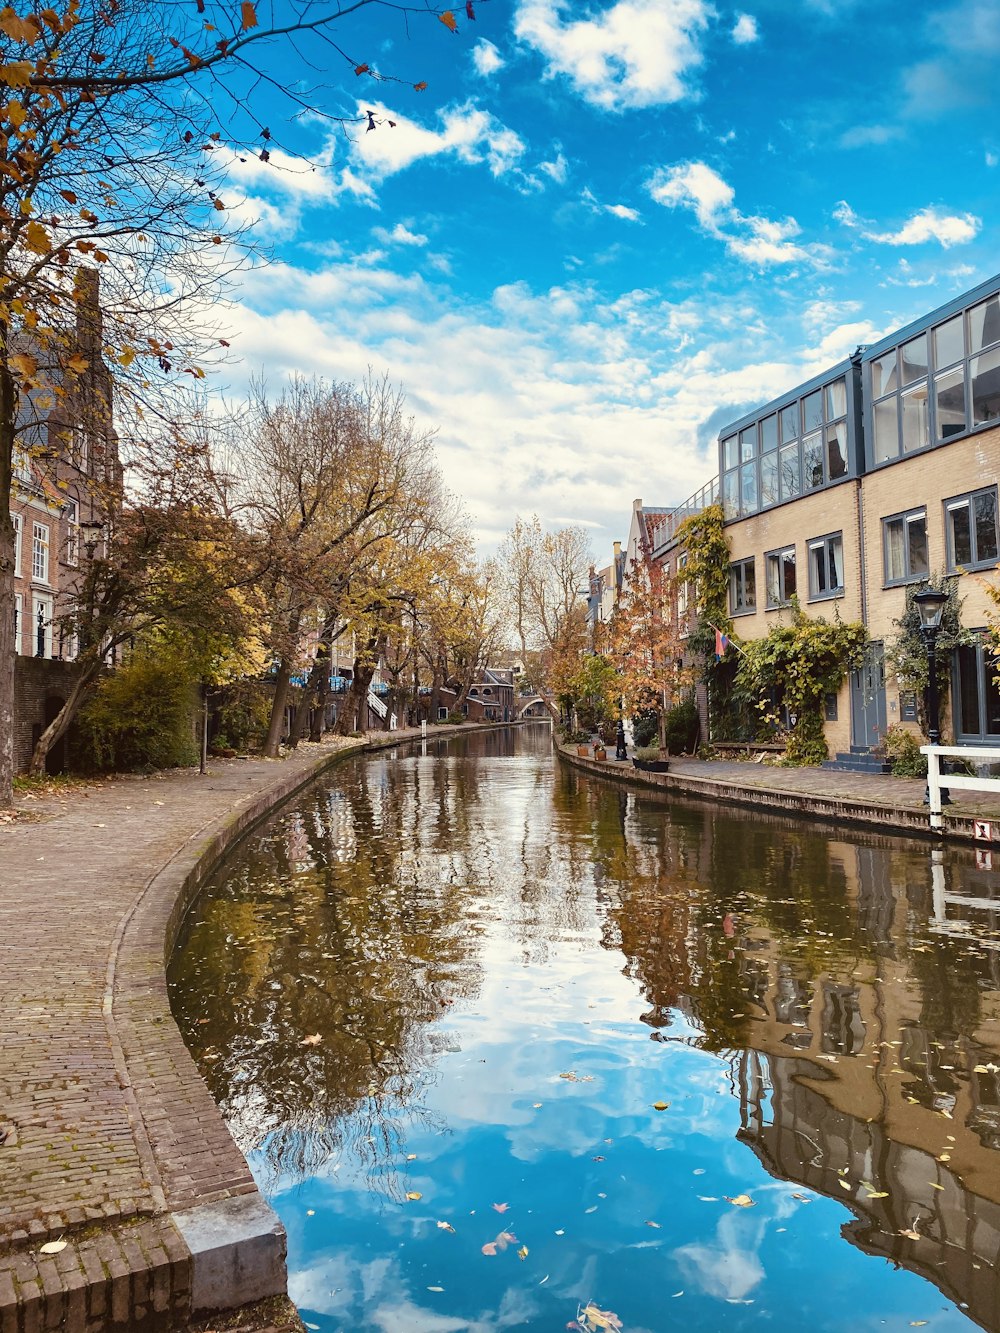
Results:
x,y
600,755
651,765
583,751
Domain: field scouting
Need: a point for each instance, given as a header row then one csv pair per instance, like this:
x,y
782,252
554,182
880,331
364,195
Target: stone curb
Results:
x,y
893,820
212,1242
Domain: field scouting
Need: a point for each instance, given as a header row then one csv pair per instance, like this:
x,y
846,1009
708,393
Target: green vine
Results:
x,y
798,664
702,537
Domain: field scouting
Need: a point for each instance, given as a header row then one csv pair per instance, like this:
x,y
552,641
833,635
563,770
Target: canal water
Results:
x,y
510,1048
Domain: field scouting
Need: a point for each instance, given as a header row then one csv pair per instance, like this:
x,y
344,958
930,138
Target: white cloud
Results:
x,y
636,53
861,136
486,58
991,159
399,235
466,132
557,170
845,215
931,224
745,30
757,240
616,210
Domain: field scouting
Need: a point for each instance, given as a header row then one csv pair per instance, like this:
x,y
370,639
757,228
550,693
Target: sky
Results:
x,y
608,227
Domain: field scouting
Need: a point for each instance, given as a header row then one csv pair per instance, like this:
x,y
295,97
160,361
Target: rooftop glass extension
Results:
x,y
935,380
805,440
666,529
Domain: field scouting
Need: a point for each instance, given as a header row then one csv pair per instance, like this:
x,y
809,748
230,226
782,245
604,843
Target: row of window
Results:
x,y
938,385
40,544
972,537
799,448
825,565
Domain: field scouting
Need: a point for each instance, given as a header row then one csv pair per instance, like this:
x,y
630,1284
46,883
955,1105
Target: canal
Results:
x,y
510,1048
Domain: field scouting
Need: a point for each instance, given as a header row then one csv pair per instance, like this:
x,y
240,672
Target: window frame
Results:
x,y
18,522
18,621
43,600
777,554
811,545
905,516
956,502
737,572
40,535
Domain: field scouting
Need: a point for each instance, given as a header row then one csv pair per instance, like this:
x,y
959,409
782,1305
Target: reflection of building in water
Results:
x,y
799,1136
870,1044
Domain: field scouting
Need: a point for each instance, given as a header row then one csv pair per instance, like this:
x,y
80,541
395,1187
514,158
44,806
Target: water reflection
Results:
x,y
447,981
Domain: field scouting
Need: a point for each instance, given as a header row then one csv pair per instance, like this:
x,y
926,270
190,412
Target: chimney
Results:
x,y
89,330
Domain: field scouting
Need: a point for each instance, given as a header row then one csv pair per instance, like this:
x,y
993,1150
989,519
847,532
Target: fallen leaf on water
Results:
x,y
804,1197
592,1209
911,1233
53,1247
877,1194
499,1207
445,1226
499,1243
523,1252
917,1323
740,1200
661,1106
536,1105
593,1318
597,1159
314,1040
411,1156
653,1224
570,1076
414,1194
435,1288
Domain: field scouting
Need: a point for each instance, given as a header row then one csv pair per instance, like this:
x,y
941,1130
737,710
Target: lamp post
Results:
x,y
930,603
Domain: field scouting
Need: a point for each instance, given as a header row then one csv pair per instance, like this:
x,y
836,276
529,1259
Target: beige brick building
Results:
x,y
865,480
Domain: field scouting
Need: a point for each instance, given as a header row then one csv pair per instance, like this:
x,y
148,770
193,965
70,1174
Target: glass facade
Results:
x,y
789,450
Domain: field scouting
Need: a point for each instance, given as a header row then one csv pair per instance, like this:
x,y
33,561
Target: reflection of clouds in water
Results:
x,y
332,1287
727,1270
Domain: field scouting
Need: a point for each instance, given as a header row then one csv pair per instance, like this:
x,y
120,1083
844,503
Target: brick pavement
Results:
x,y
111,1135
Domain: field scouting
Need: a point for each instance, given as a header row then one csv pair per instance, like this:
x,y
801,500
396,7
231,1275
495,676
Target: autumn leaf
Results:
x,y
470,13
249,14
18,73
19,29
16,114
598,1319
413,1195
77,363
53,1247
361,69
740,1200
499,1207
69,196
420,87
37,239
314,1040
448,19
522,1253
24,365
661,1106
446,1226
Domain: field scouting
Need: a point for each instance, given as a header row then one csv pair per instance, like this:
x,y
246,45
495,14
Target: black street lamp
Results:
x,y
930,604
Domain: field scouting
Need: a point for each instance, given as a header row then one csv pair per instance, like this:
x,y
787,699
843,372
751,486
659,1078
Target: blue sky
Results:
x,y
607,228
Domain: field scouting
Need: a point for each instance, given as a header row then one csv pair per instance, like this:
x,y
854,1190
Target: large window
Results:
x,y
41,627
797,448
742,587
40,552
18,615
977,698
72,532
17,544
940,384
779,569
971,526
826,566
904,538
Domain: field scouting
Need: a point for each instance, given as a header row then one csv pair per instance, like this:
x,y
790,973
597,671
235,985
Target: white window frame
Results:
x,y
905,518
967,502
44,601
18,621
18,527
40,552
777,556
72,533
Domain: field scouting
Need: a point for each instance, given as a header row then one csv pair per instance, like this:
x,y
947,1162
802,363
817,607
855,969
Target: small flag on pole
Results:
x,y
721,644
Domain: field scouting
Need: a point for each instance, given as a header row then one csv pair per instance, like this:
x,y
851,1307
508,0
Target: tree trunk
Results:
x,y
7,664
273,739
60,724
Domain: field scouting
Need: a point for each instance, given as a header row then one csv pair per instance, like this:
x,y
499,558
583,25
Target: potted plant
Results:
x,y
650,759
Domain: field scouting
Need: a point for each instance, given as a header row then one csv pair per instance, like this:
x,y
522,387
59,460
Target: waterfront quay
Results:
x,y
113,1153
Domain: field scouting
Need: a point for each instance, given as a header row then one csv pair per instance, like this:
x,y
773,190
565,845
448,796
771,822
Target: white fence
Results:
x,y
936,779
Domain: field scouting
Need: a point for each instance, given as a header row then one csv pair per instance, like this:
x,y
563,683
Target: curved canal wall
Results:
x,y
124,1201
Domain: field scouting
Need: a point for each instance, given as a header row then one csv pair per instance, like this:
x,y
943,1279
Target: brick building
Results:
x,y
66,472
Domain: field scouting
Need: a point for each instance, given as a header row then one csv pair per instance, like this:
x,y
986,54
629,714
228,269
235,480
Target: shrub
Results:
x,y
682,727
242,717
139,717
645,727
902,750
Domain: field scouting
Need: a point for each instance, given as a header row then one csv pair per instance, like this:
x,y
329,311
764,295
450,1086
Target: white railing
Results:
x,y
936,779
376,704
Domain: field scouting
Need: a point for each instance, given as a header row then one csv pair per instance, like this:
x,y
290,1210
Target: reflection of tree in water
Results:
x,y
365,952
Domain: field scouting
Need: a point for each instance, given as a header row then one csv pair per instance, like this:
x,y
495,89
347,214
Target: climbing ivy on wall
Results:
x,y
702,537
798,664
906,651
